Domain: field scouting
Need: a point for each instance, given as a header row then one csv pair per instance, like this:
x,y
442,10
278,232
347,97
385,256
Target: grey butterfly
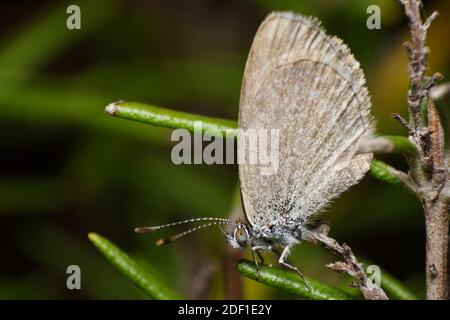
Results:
x,y
309,86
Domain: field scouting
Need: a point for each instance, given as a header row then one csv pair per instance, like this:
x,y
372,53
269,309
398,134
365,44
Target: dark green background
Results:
x,y
67,169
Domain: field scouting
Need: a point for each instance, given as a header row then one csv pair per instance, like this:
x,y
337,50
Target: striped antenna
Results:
x,y
154,228
164,241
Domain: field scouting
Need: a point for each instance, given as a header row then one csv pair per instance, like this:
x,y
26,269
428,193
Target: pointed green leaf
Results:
x,y
144,280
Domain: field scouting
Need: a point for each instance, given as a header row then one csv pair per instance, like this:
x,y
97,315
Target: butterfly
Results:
x,y
307,85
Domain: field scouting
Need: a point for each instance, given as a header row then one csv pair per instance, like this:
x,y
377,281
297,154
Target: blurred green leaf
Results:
x,y
393,287
29,194
215,83
45,38
30,286
62,106
140,277
52,249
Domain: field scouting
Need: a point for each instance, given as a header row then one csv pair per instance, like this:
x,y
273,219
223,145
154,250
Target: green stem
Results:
x,y
147,282
219,127
291,282
384,172
401,144
163,117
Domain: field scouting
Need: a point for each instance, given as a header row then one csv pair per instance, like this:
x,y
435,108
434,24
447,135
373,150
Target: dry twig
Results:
x,y
350,265
428,168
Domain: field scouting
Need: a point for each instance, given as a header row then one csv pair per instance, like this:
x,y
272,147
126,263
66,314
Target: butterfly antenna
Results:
x,y
154,228
164,241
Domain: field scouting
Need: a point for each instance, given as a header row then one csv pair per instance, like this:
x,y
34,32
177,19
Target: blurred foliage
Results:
x,y
147,282
68,169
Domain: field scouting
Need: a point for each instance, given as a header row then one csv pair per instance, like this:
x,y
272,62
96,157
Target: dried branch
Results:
x,y
428,169
350,265
417,54
402,121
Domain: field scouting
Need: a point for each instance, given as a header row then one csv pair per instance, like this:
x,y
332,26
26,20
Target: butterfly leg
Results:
x,y
283,262
255,261
261,259
256,249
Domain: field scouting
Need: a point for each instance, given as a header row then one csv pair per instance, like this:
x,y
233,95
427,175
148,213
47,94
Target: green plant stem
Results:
x,y
384,172
291,282
147,282
401,144
219,127
163,117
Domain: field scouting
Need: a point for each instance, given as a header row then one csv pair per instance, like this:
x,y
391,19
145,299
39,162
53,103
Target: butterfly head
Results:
x,y
240,236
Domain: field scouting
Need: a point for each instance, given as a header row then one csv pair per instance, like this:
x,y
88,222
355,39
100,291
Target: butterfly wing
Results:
x,y
309,86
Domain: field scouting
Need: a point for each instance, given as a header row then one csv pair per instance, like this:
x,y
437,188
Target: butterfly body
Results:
x,y
309,87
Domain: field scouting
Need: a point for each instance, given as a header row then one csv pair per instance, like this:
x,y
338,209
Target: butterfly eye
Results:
x,y
241,236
